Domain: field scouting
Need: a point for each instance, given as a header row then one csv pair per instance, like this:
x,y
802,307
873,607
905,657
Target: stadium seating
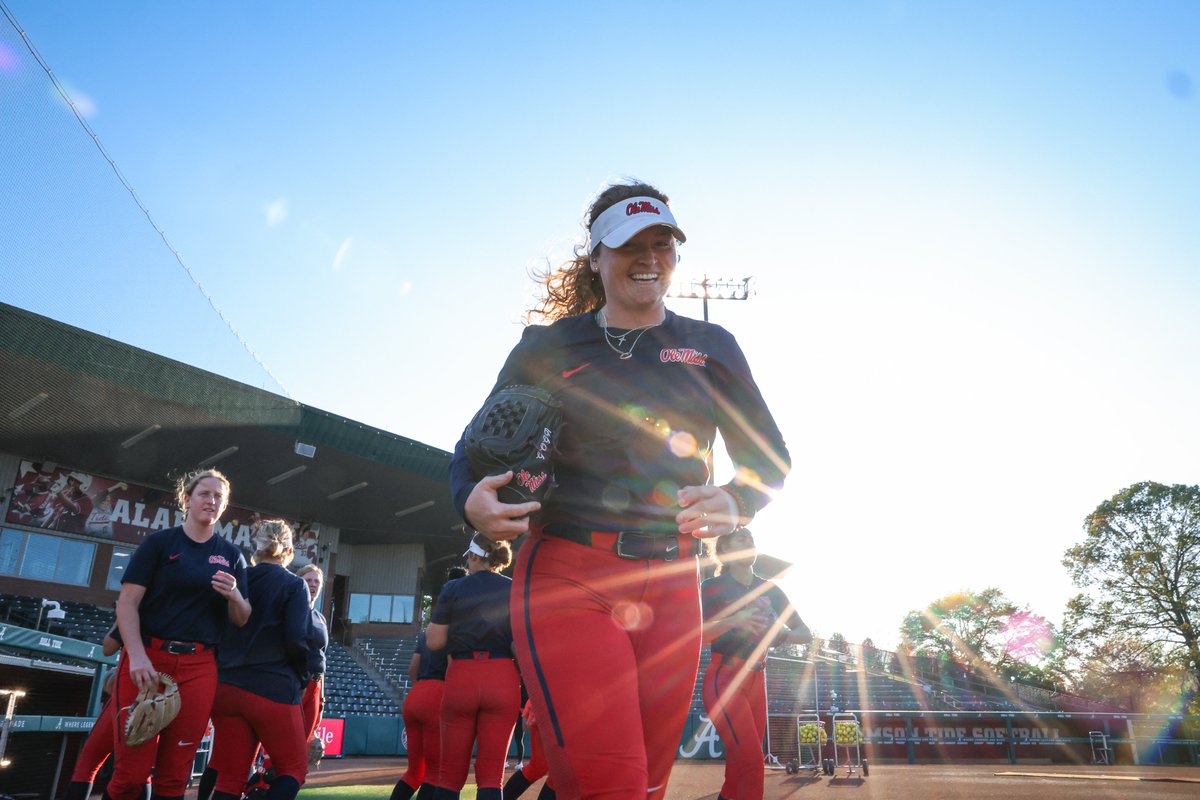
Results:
x,y
350,691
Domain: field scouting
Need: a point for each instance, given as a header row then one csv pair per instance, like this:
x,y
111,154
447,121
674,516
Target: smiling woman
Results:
x,y
612,558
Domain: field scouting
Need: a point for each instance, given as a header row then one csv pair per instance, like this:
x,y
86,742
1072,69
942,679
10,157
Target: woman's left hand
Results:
x,y
708,512
224,584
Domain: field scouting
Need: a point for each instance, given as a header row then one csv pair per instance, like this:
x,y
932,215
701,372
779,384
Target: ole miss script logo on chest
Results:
x,y
218,560
683,355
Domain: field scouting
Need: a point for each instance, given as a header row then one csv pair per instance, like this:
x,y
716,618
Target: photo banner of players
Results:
x,y
57,498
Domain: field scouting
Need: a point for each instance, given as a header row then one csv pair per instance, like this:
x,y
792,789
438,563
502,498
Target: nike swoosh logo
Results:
x,y
174,556
569,372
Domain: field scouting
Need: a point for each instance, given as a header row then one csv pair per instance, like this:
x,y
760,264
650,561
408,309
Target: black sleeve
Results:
x,y
752,437
786,612
526,364
143,564
297,626
444,606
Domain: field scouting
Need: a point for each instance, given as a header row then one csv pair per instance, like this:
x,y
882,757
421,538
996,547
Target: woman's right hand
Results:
x,y
142,672
496,520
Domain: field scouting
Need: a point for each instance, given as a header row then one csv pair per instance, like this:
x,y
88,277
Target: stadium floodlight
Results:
x,y
28,405
215,457
347,490
706,288
137,437
283,476
404,512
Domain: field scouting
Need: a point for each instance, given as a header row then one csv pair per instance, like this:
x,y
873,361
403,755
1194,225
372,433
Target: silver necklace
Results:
x,y
610,338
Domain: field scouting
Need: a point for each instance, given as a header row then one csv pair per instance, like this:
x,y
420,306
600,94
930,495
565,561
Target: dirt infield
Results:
x,y
701,780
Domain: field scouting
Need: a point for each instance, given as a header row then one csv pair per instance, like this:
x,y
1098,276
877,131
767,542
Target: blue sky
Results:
x,y
972,229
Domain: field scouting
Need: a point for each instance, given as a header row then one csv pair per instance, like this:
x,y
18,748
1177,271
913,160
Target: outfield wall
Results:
x,y
917,737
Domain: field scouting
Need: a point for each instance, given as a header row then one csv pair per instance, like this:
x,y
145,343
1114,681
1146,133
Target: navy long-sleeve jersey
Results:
x,y
637,430
717,594
269,654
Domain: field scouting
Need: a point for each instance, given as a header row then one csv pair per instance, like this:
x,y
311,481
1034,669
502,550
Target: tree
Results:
x,y
1116,667
1140,567
981,629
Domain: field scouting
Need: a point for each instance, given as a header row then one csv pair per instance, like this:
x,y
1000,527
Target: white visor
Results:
x,y
619,223
475,548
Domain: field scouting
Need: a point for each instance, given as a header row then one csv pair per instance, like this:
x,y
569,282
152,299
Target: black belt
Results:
x,y
480,655
175,648
737,663
630,544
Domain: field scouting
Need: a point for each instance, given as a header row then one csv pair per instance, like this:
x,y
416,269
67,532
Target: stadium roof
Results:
x,y
87,401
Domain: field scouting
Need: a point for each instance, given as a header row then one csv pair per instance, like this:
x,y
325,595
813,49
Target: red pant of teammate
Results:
x,y
536,766
312,705
479,707
170,754
241,720
736,701
609,648
423,729
96,748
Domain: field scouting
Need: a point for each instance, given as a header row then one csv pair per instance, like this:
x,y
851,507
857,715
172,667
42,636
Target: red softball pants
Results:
x,y
736,701
479,707
170,754
422,713
312,705
537,766
609,648
96,748
241,720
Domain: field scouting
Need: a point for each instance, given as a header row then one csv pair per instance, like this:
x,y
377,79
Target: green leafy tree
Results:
x,y
962,627
1140,569
982,629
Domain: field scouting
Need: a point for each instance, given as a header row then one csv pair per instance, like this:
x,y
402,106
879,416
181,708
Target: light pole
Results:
x,y
707,288
6,721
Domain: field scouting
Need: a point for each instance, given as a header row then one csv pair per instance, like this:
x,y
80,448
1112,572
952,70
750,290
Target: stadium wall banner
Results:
x,y
39,642
57,498
331,731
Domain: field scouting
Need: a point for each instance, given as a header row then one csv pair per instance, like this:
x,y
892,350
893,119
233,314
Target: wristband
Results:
x,y
743,517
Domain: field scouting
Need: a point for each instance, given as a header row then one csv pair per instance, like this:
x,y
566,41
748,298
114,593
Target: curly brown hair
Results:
x,y
573,288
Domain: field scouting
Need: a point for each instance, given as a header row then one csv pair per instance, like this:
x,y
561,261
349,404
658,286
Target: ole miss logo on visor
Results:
x,y
643,207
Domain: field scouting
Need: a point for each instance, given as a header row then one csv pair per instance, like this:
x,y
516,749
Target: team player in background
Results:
x,y
535,768
744,615
312,703
483,691
423,715
183,588
612,563
263,669
99,744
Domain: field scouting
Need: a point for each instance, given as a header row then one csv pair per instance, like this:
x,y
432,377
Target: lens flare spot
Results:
x,y
633,616
616,498
666,493
682,444
1028,637
9,63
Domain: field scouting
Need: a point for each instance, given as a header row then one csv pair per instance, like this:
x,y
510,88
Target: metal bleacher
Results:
x,y
350,691
391,657
83,621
